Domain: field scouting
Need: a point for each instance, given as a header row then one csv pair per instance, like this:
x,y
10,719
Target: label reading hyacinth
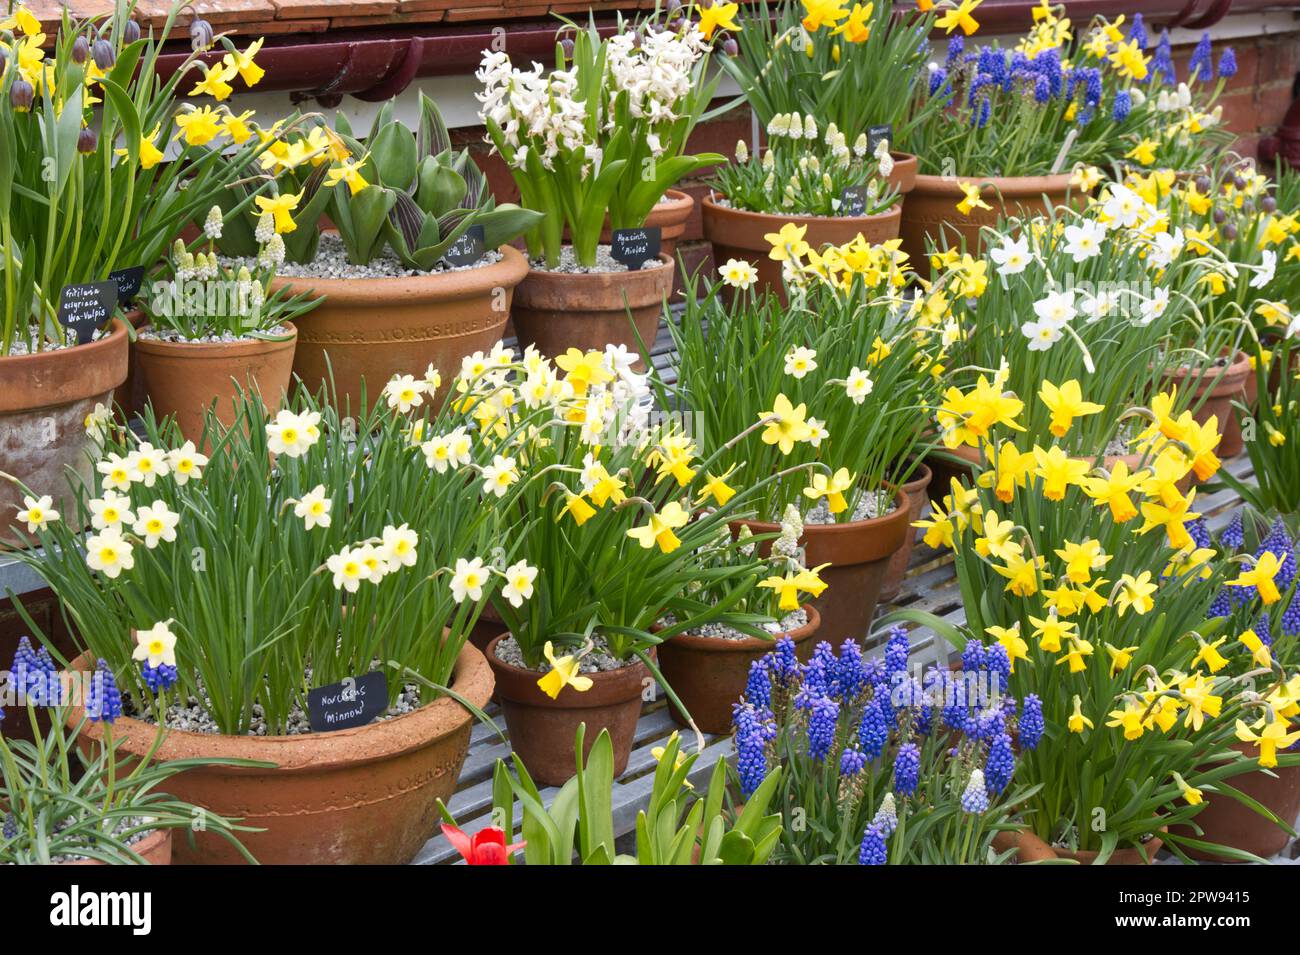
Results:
x,y
354,702
468,249
635,247
128,283
84,308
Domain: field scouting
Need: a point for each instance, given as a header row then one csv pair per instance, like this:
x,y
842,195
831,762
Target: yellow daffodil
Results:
x,y
347,172
1082,558
1051,631
786,424
857,28
1191,795
1273,736
1259,650
810,581
564,672
719,16
659,529
996,540
1134,593
1120,657
583,369
1058,471
970,200
1023,575
198,127
215,82
279,207
1066,403
1076,656
960,16
1076,720
832,488
1197,693
786,587
1261,577
788,243
576,506
242,63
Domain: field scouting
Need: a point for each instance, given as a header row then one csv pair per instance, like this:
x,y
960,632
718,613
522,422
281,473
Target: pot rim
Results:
x,y
153,842
675,199
694,641
554,275
1018,186
19,370
711,207
847,527
410,290
1229,382
252,346
310,752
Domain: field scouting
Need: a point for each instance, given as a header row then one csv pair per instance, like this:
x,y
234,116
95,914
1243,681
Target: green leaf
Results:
x,y
392,151
736,849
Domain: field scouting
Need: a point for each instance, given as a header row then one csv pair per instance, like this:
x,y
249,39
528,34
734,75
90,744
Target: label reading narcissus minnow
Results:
x,y
468,248
635,247
128,283
354,702
84,308
877,134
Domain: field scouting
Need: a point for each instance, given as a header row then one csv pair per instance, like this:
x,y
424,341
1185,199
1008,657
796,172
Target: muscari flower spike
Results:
x,y
873,851
1162,63
975,797
824,713
1234,535
907,769
1123,105
887,815
852,761
754,728
161,677
1201,65
873,731
758,688
1000,764
103,701
1031,722
1228,64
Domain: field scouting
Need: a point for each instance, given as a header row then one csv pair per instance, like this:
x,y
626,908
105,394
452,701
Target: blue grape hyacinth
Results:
x,y
873,850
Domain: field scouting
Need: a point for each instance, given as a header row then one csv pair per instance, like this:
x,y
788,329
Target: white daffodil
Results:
x,y
461,446
858,385
1056,308
1011,256
156,522
156,646
314,508
399,546
293,435
37,512
800,361
467,579
147,463
186,463
1041,335
99,421
348,570
116,472
499,475
111,510
109,553
519,583
1153,307
739,274
1082,242
817,432
1264,271
405,392
373,560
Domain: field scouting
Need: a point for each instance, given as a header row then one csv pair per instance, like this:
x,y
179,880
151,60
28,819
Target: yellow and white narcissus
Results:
x,y
156,646
37,512
292,434
109,553
313,507
156,522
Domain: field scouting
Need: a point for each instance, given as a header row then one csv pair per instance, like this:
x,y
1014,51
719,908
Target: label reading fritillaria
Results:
x,y
354,702
635,247
84,308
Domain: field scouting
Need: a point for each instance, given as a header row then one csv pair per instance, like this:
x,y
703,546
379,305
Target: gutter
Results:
x,y
375,64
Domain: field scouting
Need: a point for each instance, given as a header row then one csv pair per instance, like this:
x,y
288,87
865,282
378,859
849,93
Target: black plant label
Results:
x,y
128,283
468,248
84,308
877,133
853,201
354,702
635,247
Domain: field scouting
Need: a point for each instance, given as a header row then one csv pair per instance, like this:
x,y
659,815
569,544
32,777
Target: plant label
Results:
x,y
877,133
354,702
468,248
84,308
853,201
128,283
635,247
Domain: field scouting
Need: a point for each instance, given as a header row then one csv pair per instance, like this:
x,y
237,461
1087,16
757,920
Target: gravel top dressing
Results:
x,y
605,262
598,660
20,346
121,826
787,624
865,510
225,338
332,263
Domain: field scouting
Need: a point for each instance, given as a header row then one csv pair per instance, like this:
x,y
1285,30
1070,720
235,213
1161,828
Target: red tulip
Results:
x,y
485,847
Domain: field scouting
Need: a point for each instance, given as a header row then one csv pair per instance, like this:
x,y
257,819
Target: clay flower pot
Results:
x,y
903,176
185,378
361,796
1233,442
1030,848
129,395
917,493
708,674
155,849
542,730
737,234
44,400
1219,392
931,208
670,215
557,311
1226,822
858,553
372,329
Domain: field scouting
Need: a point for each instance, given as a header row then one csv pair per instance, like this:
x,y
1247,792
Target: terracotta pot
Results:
x,y
1219,390
372,329
184,379
858,553
930,209
44,400
357,796
557,311
129,395
737,234
1030,848
917,493
155,849
708,674
542,730
1226,822
670,215
903,176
